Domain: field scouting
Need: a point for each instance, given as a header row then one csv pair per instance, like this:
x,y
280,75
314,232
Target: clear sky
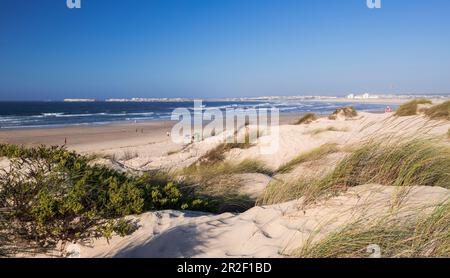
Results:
x,y
220,48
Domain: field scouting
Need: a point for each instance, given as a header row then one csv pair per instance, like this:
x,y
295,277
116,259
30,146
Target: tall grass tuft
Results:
x,y
440,111
217,154
410,108
306,119
410,163
346,112
216,182
326,129
416,162
423,236
315,154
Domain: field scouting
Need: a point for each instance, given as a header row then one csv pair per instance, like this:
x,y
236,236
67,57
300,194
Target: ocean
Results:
x,y
53,114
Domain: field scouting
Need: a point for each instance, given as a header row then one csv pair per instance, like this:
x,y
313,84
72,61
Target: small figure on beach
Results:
x,y
388,109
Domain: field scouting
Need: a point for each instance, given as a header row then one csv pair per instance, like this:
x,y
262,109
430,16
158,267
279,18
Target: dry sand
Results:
x,y
261,232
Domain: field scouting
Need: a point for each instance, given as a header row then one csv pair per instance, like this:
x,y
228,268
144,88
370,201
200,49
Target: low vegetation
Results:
x,y
315,154
217,154
51,194
346,112
326,129
411,108
440,111
306,119
217,181
424,236
415,162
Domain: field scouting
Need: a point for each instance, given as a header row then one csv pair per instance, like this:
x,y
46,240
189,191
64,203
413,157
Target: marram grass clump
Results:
x,y
306,119
410,163
410,108
219,182
315,154
217,154
440,111
423,236
326,129
416,162
345,112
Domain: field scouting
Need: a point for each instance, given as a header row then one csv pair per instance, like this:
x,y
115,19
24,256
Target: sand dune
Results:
x,y
271,231
268,231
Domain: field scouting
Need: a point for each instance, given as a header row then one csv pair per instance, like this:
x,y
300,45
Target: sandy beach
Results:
x,y
104,138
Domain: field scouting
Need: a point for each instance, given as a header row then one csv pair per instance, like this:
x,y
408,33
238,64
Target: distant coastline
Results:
x,y
91,112
78,112
356,98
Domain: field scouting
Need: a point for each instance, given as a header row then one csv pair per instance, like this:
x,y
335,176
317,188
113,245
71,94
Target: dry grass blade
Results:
x,y
417,162
306,119
423,236
410,108
312,155
441,111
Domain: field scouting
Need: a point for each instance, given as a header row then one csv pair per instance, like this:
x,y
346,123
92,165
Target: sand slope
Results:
x,y
272,231
293,140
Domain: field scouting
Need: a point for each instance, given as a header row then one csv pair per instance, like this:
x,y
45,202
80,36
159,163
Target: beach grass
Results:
x,y
405,163
326,129
217,154
315,154
217,182
347,112
440,111
410,108
423,236
306,119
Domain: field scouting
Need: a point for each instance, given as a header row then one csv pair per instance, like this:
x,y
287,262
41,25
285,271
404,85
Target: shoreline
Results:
x,y
88,137
106,122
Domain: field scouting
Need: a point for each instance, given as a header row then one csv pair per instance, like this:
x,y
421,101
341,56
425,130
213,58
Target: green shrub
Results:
x,y
410,108
51,194
306,119
441,111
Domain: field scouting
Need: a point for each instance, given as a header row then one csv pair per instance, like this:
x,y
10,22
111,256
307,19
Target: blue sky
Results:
x,y
220,48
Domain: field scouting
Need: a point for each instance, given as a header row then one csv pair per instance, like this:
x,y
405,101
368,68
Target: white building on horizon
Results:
x,y
363,96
